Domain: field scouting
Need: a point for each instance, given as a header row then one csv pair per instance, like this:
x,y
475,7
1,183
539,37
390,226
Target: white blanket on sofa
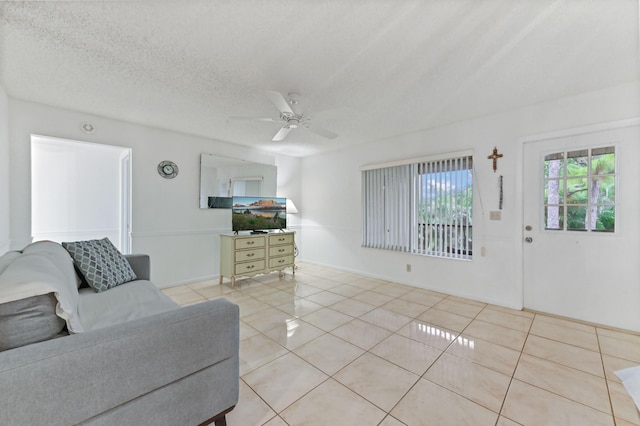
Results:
x,y
43,267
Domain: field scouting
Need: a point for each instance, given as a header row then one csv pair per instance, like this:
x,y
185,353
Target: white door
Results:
x,y
582,251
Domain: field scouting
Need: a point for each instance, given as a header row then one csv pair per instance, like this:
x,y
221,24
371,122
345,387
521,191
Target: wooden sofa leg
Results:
x,y
219,419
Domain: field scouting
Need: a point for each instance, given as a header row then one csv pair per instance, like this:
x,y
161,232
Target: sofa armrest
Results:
x,y
74,378
141,265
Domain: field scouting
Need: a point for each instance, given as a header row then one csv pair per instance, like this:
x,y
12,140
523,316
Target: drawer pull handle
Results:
x,y
249,243
251,254
281,261
251,266
281,250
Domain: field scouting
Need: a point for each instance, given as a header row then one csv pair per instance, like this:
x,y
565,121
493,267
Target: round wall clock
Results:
x,y
168,169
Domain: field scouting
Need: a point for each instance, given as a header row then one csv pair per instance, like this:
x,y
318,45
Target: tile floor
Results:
x,y
334,348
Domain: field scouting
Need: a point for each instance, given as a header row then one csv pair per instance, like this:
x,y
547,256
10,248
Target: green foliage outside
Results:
x,y
449,208
586,196
448,216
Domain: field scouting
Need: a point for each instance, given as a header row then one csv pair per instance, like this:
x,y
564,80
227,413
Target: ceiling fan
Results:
x,y
290,120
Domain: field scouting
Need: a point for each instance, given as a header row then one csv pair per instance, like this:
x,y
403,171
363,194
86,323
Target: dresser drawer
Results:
x,y
248,267
280,250
280,239
244,255
280,261
253,254
252,242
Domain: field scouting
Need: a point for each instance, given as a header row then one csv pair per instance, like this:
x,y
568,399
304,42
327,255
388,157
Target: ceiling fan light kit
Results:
x,y
289,119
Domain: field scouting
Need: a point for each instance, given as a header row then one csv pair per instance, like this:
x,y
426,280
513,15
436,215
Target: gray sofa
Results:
x,y
125,356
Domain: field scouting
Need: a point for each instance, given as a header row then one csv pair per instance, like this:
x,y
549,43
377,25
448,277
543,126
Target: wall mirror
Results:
x,y
221,178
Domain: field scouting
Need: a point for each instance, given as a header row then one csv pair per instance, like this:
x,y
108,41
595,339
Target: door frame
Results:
x,y
125,201
519,182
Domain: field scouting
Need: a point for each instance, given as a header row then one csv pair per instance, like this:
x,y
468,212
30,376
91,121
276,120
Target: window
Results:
x,y
423,207
580,190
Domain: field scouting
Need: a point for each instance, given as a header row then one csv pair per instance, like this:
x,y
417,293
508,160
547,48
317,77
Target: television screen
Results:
x,y
258,213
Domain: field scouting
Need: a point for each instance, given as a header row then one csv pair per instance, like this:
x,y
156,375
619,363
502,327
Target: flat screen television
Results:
x,y
258,213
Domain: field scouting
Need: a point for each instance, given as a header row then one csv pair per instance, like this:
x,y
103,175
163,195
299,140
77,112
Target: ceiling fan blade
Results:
x,y
321,131
237,117
280,102
282,133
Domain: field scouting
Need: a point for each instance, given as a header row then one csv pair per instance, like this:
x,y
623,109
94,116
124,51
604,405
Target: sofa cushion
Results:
x,y
29,320
133,300
101,264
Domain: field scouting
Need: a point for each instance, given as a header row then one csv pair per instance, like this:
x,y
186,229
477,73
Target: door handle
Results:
x,y
529,240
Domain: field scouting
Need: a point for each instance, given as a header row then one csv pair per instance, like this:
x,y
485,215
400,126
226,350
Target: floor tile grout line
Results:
x,y
422,377
606,381
278,413
329,376
262,399
549,390
568,366
515,368
445,351
368,351
387,412
564,398
460,333
561,341
413,318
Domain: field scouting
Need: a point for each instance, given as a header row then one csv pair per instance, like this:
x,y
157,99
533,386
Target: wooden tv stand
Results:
x,y
252,254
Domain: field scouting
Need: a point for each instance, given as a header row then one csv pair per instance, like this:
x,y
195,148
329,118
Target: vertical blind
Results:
x,y
423,208
387,202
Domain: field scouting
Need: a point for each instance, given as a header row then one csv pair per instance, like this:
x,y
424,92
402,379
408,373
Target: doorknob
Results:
x,y
529,239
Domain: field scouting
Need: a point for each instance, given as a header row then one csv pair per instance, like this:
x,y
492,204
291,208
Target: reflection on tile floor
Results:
x,y
329,347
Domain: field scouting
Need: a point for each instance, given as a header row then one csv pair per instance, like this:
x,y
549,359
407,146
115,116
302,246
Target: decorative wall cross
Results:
x,y
495,157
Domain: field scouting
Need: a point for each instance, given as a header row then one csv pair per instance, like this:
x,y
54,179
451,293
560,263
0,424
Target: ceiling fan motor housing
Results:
x,y
293,123
292,120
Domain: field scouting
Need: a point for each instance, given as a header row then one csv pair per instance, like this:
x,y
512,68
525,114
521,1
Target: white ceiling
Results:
x,y
366,69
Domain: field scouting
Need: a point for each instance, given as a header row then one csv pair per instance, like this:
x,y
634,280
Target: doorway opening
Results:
x,y
80,191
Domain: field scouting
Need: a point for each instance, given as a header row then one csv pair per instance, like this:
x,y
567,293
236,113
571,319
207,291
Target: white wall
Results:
x,y
167,222
290,186
331,203
4,172
183,239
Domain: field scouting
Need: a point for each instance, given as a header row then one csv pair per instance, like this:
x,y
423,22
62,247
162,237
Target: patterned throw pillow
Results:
x,y
101,264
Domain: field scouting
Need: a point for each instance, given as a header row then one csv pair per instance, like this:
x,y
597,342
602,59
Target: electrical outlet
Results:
x,y
495,215
408,267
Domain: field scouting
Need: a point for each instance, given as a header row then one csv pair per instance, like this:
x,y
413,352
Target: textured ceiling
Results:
x,y
366,69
